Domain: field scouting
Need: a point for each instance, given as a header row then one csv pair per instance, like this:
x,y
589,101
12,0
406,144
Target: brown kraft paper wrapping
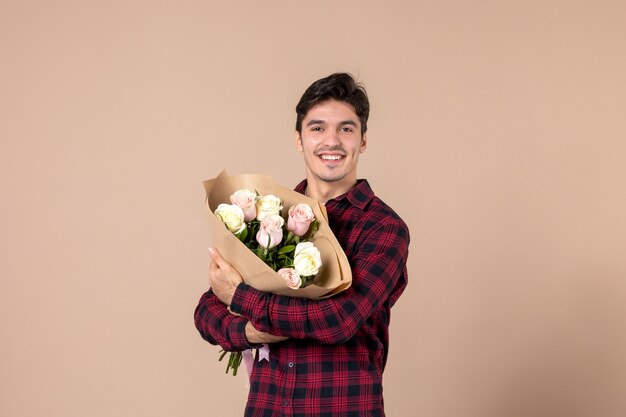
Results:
x,y
335,274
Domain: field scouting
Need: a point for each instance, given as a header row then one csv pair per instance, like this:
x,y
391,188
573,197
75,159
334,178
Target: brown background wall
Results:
x,y
497,131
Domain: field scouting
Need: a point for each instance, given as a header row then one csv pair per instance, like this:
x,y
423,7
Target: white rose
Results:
x,y
307,259
232,216
267,205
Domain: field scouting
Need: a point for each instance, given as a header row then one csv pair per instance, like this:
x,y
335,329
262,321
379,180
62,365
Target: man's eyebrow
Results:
x,y
321,122
342,123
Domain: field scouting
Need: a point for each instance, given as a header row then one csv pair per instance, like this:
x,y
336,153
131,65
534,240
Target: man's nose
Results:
x,y
332,138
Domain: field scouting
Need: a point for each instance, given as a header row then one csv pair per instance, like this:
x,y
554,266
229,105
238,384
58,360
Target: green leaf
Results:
x,y
243,234
286,249
312,230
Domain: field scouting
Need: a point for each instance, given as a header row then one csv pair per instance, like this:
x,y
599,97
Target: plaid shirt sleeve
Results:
x,y
218,326
378,265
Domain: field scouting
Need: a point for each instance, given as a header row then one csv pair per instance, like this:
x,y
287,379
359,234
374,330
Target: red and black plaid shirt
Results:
x,y
332,365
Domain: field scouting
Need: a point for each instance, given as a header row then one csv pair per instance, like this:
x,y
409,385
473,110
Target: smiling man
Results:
x,y
331,139
327,356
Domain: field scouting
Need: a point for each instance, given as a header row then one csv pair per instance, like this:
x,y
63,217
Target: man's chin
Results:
x,y
329,175
331,179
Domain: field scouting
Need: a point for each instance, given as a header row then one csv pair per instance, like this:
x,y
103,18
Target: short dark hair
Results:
x,y
340,87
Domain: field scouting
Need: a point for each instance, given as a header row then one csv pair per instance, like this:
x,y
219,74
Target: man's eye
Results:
x,y
316,129
347,129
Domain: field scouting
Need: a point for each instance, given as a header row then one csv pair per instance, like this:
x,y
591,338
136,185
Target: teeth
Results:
x,y
331,157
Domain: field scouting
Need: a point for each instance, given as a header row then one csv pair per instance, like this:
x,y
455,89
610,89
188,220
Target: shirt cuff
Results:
x,y
237,332
245,299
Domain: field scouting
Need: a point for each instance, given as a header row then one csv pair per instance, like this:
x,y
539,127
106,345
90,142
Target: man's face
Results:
x,y
331,142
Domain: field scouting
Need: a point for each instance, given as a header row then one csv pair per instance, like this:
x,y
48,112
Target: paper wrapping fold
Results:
x,y
335,274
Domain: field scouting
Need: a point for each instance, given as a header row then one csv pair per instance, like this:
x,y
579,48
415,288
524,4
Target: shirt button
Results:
x,y
291,364
285,403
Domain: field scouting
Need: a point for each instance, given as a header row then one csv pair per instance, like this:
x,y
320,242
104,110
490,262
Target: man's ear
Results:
x,y
299,141
363,143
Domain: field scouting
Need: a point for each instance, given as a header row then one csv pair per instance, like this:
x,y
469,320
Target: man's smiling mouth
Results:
x,y
331,157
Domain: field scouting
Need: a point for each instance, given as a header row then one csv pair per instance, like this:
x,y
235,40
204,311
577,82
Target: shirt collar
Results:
x,y
358,196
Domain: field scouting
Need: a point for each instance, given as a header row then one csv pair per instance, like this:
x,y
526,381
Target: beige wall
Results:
x,y
497,131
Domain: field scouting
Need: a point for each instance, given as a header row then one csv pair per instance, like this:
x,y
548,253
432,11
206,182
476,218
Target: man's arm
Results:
x,y
218,326
378,269
258,337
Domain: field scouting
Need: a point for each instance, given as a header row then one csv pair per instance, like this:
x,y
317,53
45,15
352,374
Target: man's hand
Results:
x,y
223,278
255,336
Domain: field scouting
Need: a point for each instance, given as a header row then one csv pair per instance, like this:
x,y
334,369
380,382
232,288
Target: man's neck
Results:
x,y
324,191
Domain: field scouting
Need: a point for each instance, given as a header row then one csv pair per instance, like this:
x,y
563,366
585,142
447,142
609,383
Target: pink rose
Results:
x,y
292,278
245,199
300,218
270,229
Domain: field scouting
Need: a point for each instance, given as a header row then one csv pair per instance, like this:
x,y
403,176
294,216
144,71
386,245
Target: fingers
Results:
x,y
213,267
255,336
217,258
232,312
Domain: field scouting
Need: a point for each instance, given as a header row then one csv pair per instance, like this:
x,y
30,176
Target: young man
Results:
x,y
326,356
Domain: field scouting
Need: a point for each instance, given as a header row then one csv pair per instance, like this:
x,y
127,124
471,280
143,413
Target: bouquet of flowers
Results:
x,y
287,252
257,221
